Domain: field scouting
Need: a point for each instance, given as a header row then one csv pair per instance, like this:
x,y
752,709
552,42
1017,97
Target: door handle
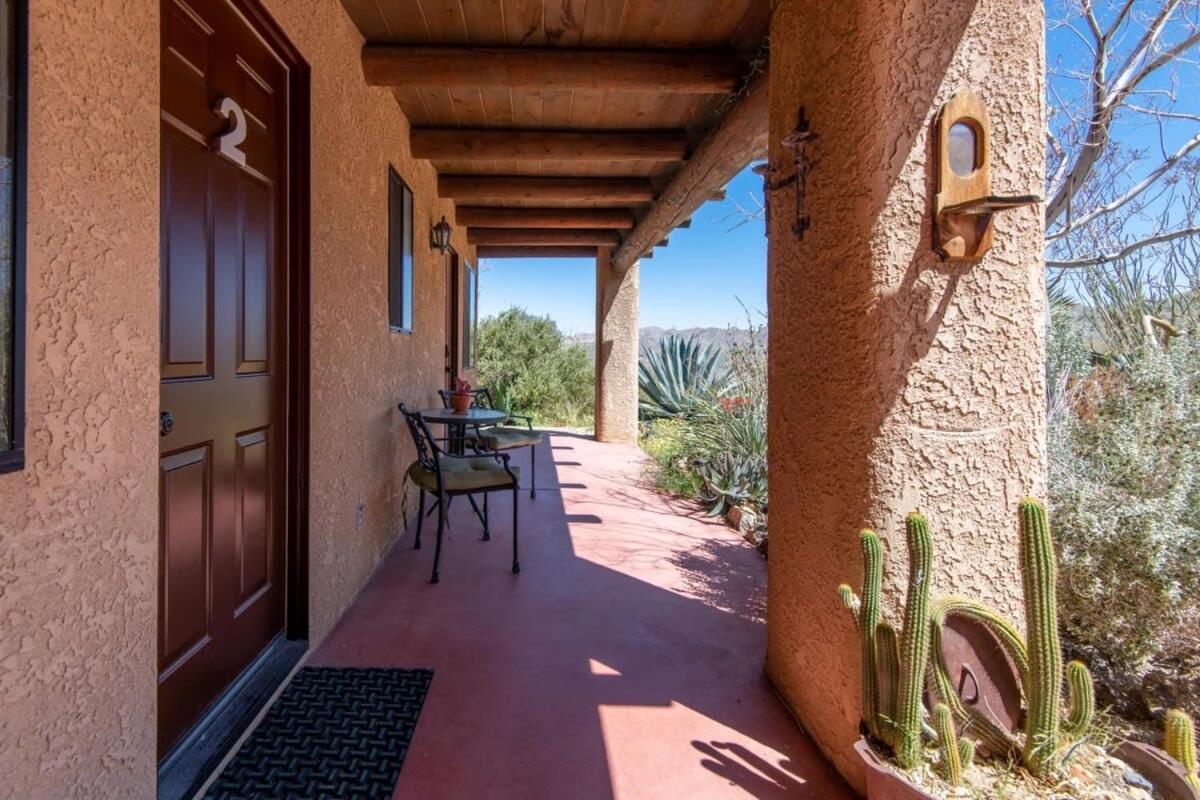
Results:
x,y
165,423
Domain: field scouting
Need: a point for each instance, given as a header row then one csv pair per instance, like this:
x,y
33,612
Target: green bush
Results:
x,y
1124,459
531,369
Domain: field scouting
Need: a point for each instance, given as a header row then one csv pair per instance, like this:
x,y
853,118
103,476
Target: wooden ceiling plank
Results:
x,y
465,144
543,236
526,251
737,139
553,69
475,189
493,217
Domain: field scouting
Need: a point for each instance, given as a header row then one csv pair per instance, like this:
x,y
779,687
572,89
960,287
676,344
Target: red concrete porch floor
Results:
x,y
624,661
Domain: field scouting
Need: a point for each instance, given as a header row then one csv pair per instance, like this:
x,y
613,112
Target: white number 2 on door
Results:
x,y
229,143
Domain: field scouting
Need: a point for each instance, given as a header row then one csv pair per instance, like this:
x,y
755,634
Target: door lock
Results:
x,y
165,423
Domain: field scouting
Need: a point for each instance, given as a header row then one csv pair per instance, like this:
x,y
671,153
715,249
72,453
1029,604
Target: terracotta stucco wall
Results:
x,y
360,369
897,381
78,527
616,350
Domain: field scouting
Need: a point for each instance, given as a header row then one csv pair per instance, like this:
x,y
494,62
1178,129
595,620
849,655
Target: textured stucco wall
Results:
x,y
897,381
616,350
360,369
78,527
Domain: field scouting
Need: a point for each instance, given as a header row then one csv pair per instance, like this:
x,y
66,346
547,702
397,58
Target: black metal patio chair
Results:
x,y
444,475
501,438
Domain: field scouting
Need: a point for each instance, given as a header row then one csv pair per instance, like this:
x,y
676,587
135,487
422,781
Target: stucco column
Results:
x,y
616,350
897,381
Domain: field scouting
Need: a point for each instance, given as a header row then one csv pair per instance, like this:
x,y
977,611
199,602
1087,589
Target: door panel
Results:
x,y
224,362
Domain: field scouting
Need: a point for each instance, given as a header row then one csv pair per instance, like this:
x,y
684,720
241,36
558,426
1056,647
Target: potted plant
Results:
x,y
917,730
462,396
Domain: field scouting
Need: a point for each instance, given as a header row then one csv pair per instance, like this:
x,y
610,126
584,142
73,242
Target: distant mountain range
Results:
x,y
650,337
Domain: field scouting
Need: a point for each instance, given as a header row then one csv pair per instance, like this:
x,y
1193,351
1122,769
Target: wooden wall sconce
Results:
x,y
965,205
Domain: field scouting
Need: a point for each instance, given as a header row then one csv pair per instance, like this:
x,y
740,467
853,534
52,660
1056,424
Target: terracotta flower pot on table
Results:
x,y
460,403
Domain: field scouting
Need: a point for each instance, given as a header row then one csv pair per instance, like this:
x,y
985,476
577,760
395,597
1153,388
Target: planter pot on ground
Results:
x,y
884,783
1165,773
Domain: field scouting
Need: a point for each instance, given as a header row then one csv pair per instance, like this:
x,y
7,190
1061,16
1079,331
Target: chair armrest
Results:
x,y
528,419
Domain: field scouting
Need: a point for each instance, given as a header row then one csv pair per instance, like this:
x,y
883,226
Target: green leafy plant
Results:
x,y
676,376
532,369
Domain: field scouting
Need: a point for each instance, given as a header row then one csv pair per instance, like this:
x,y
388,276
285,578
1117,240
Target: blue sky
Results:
x,y
695,281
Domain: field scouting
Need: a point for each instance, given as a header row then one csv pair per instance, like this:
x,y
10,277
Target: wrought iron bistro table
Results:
x,y
457,423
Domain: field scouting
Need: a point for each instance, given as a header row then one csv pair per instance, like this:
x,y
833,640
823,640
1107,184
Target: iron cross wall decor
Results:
x,y
797,141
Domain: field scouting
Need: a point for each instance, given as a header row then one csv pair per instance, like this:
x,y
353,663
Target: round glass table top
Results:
x,y
472,416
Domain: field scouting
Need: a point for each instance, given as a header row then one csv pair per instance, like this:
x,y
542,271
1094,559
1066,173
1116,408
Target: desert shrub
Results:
x,y
1124,459
531,369
716,452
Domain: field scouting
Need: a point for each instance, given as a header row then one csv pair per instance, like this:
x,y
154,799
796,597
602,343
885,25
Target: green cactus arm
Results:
x,y
966,751
1044,687
850,600
951,758
1083,700
1181,744
887,649
914,642
868,619
941,683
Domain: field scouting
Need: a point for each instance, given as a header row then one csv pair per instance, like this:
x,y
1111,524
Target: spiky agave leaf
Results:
x,y
672,378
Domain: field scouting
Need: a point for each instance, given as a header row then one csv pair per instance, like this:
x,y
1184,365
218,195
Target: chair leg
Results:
x,y
437,550
420,519
516,567
487,533
532,471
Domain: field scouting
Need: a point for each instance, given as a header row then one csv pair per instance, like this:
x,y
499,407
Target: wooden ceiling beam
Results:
x,y
487,188
490,144
552,69
534,251
737,138
492,217
542,236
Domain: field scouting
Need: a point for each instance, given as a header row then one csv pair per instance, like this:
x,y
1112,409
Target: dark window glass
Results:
x,y
400,254
470,303
12,154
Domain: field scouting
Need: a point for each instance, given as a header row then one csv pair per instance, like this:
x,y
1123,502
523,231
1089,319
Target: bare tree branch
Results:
x,y
1126,251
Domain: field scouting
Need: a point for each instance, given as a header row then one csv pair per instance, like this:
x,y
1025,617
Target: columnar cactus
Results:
x,y
1181,744
1044,686
872,552
887,654
1083,700
956,753
914,642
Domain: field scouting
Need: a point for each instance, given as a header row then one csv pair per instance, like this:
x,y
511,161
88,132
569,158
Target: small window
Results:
x,y
400,254
470,305
12,233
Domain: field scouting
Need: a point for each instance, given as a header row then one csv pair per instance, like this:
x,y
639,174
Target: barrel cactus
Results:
x,y
1181,745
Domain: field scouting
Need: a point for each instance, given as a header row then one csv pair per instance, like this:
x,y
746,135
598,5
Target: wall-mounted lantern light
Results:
x,y
439,236
965,205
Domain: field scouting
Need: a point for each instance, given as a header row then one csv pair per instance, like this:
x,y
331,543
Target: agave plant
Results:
x,y
673,378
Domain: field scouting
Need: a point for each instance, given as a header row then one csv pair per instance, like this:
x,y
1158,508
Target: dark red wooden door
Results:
x,y
223,456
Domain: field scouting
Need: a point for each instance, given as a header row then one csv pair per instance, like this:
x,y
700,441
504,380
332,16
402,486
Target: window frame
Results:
x,y
12,459
470,313
401,253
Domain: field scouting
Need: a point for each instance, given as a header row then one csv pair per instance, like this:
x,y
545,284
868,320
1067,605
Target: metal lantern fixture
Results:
x,y
439,237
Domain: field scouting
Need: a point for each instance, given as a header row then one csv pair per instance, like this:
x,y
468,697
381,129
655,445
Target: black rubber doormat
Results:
x,y
334,733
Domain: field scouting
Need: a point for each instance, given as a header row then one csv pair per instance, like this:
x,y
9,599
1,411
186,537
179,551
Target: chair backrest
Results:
x,y
422,438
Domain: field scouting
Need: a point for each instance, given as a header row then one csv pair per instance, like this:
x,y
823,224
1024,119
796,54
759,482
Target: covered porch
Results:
x,y
624,662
